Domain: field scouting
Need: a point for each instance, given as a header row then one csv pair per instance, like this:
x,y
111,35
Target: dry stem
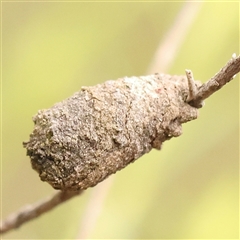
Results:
x,y
29,212
225,75
170,45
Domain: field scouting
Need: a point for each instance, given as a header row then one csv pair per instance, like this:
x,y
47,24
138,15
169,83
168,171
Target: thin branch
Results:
x,y
94,208
225,75
174,38
30,212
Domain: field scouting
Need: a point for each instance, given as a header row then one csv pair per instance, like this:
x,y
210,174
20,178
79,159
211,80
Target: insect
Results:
x,y
99,130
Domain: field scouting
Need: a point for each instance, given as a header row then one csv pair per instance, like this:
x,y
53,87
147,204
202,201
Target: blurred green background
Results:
x,y
189,189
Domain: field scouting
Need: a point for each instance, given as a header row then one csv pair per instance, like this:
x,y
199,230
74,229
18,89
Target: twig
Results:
x,y
94,208
225,75
174,38
33,211
191,84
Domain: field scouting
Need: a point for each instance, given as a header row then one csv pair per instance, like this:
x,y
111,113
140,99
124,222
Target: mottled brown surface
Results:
x,y
99,130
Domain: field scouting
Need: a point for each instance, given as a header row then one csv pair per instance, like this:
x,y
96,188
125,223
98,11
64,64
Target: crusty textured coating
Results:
x,y
99,130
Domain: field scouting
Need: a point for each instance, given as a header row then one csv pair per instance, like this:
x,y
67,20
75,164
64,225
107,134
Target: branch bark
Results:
x,y
225,75
30,212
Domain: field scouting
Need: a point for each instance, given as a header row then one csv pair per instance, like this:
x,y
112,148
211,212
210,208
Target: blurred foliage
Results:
x,y
187,190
